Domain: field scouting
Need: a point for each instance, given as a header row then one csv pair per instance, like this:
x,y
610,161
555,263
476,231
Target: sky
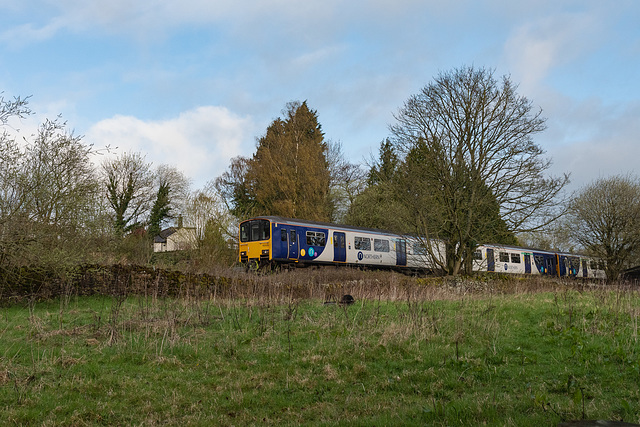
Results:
x,y
194,83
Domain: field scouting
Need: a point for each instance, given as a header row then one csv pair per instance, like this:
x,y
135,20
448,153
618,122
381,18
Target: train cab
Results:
x,y
255,241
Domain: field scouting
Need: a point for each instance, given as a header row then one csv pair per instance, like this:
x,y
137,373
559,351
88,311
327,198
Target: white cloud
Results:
x,y
198,142
310,22
534,49
604,141
30,33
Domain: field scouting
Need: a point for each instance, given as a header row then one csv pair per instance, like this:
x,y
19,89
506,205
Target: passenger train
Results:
x,y
271,240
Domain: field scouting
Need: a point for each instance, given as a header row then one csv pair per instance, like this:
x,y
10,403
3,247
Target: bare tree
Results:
x,y
214,225
471,168
172,195
128,183
12,186
205,205
179,186
17,108
347,181
605,219
60,175
48,194
235,191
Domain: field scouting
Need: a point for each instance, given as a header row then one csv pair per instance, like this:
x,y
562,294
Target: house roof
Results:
x,y
162,237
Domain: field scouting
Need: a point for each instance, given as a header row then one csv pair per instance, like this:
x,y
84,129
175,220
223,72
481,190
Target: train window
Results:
x,y
362,243
380,245
255,230
584,264
592,264
504,257
419,249
244,231
315,238
477,255
600,265
265,229
283,235
515,258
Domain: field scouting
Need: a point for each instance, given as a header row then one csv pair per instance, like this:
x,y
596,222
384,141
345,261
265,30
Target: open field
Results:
x,y
409,351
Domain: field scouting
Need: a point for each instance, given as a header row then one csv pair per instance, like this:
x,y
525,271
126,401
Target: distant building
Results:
x,y
175,239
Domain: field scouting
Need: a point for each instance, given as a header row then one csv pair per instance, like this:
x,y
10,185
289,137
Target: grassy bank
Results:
x,y
423,352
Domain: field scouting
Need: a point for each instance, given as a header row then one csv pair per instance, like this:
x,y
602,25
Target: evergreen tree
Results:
x,y
377,206
289,174
384,169
160,211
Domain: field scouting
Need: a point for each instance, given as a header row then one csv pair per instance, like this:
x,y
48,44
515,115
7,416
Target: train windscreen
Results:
x,y
255,230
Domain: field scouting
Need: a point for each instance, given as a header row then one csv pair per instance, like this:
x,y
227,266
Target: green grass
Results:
x,y
532,358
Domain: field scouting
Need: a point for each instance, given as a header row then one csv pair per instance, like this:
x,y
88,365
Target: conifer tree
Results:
x,y
289,175
160,211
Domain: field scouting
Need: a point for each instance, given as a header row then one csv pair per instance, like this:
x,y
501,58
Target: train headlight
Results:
x,y
265,252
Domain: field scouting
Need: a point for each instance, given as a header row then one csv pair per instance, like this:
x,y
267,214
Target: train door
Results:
x,y
491,260
401,252
562,265
281,244
339,247
527,264
550,265
293,244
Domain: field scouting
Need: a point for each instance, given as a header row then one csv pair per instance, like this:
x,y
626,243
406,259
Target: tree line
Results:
x,y
460,165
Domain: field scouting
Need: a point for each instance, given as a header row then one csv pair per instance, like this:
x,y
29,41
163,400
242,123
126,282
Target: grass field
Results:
x,y
421,354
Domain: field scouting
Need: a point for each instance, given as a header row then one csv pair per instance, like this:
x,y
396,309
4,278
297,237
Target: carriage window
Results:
x,y
592,264
477,255
420,249
283,235
515,258
293,237
504,257
315,238
362,243
380,245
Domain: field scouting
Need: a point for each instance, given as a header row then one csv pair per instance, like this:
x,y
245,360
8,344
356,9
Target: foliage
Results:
x,y
348,180
160,210
128,183
288,175
605,219
235,190
377,205
178,190
469,170
384,169
48,211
